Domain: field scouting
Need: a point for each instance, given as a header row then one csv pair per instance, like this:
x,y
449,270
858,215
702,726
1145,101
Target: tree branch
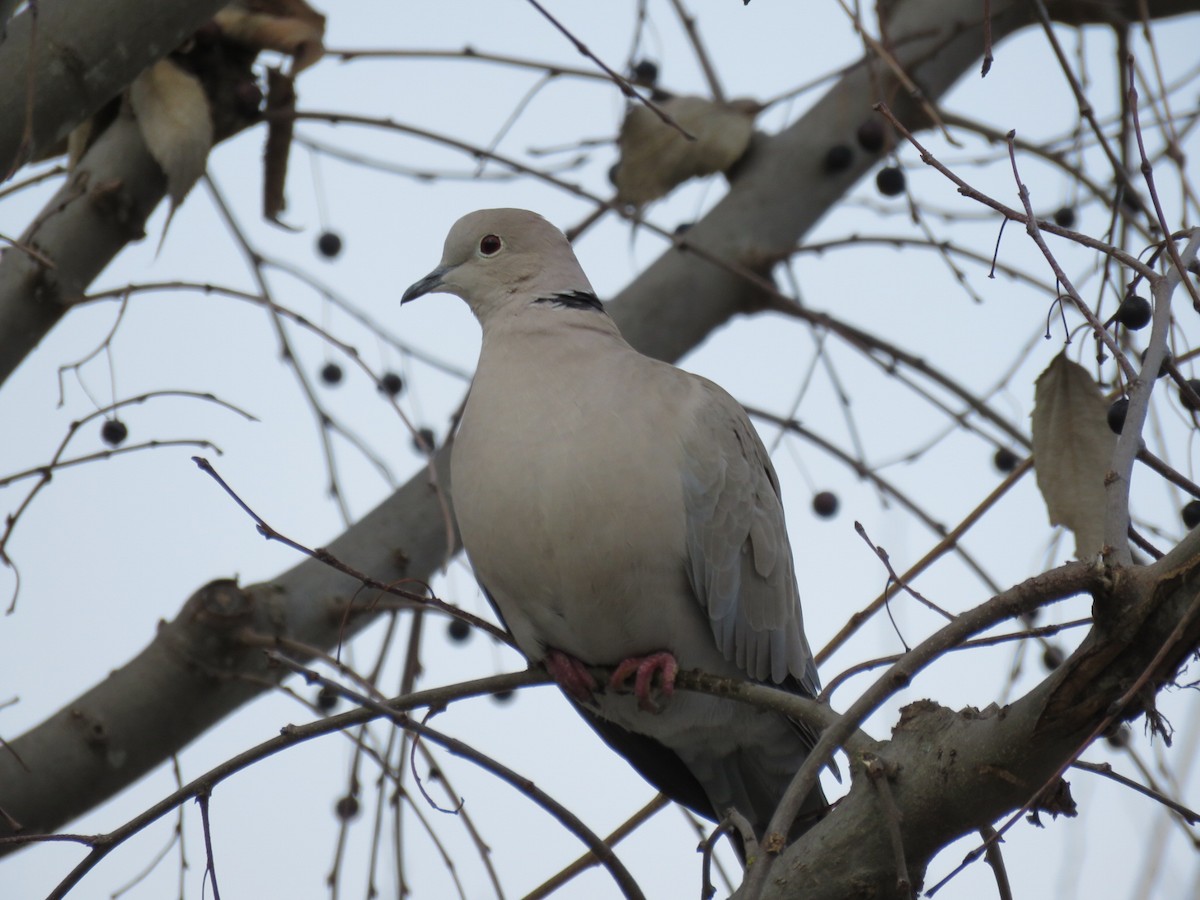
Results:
x,y
187,679
84,55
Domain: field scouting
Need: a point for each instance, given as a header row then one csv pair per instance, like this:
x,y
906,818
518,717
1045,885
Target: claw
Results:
x,y
572,675
644,668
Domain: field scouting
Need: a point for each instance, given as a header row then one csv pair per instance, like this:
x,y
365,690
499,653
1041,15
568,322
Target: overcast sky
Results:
x,y
109,549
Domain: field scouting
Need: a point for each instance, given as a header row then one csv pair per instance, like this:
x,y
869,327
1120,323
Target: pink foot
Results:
x,y
645,667
571,674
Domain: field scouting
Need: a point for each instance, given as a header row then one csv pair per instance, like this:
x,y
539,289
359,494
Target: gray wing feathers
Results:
x,y
740,561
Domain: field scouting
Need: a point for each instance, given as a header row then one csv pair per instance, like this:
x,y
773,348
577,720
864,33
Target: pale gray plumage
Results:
x,y
614,506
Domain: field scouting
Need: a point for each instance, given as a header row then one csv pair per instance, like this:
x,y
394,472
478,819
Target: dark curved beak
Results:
x,y
430,284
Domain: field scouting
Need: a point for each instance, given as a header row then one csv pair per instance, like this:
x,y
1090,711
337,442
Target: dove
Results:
x,y
619,511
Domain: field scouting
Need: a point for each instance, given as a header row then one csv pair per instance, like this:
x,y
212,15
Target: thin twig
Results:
x,y
1115,710
618,80
1121,256
1028,634
322,555
1105,769
884,485
1033,228
210,866
951,539
625,881
693,34
589,860
883,557
1057,584
996,860
1179,261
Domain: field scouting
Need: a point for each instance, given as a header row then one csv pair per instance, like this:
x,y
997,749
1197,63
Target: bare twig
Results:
x,y
951,539
210,866
588,860
1116,709
996,860
693,33
1105,769
1057,584
322,555
625,881
883,557
618,80
1121,256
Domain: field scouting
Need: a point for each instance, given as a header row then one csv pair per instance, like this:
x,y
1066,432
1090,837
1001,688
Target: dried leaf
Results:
x,y
281,97
287,26
1072,451
77,143
176,123
86,133
655,157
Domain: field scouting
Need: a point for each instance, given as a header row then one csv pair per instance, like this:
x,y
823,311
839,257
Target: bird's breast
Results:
x,y
571,511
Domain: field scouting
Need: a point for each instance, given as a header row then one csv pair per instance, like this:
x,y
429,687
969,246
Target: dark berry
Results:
x,y
871,135
1116,414
1134,312
1118,736
208,33
424,440
838,158
645,72
346,807
1065,217
329,244
327,698
391,384
1164,366
1005,460
1131,200
458,630
331,373
1053,657
113,432
825,504
890,181
503,696
248,98
1191,514
1185,399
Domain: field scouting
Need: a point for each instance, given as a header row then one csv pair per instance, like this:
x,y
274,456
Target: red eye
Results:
x,y
490,245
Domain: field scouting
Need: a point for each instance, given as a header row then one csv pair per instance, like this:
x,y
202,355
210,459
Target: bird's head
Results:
x,y
497,258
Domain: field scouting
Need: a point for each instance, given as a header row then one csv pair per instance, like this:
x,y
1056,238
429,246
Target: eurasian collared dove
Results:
x,y
619,511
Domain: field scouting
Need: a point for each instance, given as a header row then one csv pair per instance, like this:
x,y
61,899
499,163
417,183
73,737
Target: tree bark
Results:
x,y
76,57
954,773
193,674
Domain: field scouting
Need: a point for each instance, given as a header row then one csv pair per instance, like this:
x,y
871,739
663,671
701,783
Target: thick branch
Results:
x,y
958,772
101,208
85,54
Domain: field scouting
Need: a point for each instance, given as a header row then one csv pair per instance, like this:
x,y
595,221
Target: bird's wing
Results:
x,y
739,558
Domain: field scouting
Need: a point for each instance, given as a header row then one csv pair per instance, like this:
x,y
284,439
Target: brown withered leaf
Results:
x,y
281,97
655,157
78,141
83,135
1072,451
287,26
176,123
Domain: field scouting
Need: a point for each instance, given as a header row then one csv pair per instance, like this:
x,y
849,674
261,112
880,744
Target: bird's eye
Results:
x,y
490,245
